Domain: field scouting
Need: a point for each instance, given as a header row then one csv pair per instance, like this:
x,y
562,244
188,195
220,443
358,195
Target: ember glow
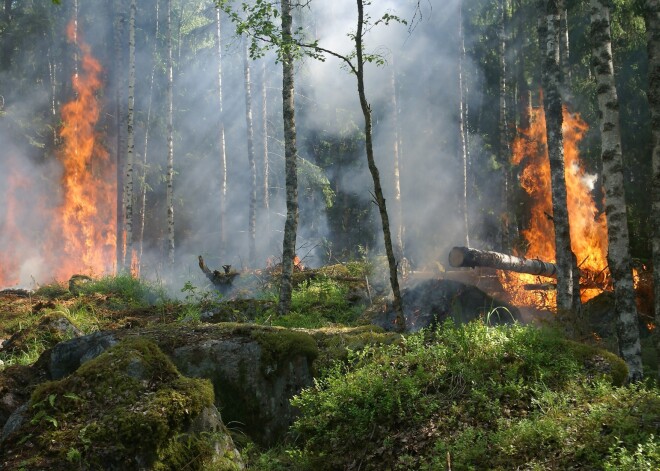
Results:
x,y
588,226
78,235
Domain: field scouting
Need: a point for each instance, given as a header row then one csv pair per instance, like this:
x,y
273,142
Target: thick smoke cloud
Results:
x,y
424,60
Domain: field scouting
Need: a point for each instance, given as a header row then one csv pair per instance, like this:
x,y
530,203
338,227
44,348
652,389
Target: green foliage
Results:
x,y
491,398
645,457
126,289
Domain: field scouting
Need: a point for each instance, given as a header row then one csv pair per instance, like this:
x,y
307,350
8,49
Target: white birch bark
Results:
x,y
252,206
170,141
221,141
618,254
130,140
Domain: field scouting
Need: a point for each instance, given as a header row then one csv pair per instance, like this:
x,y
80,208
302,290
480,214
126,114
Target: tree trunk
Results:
x,y
8,40
266,164
618,253
504,150
373,169
567,299
398,207
143,196
221,141
290,162
170,141
564,50
118,70
252,211
652,16
462,130
130,138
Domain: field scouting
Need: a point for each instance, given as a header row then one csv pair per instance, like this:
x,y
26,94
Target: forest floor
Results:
x,y
460,397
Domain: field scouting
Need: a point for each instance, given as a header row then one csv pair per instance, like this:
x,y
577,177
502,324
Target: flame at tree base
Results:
x,y
588,227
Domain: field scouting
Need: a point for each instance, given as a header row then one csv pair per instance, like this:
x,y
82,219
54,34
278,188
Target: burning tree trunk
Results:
x,y
567,297
468,257
221,140
618,254
290,161
252,214
652,17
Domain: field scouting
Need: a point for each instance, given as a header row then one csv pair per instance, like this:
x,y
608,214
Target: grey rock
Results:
x,y
66,357
14,422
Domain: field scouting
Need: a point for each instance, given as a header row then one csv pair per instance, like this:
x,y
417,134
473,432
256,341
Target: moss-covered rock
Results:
x,y
129,408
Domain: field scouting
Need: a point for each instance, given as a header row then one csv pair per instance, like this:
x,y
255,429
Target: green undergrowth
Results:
x,y
126,290
476,397
317,302
128,408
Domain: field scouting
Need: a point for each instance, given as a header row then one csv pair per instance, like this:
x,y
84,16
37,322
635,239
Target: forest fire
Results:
x,y
79,236
588,226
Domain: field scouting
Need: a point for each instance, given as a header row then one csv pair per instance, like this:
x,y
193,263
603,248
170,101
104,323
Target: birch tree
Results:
x,y
462,127
130,139
652,19
252,210
618,254
221,139
170,141
567,297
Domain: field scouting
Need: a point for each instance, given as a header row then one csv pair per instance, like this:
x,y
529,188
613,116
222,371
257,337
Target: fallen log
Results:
x,y
467,257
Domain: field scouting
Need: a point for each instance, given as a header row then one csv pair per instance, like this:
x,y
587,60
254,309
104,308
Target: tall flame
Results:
x,y
54,231
588,227
88,209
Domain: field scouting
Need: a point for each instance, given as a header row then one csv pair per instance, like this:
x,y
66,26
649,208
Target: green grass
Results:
x,y
127,290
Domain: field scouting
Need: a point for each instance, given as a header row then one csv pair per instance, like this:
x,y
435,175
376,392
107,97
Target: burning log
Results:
x,y
467,257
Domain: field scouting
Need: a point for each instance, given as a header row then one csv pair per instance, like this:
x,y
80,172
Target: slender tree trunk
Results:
x,y
143,196
130,138
264,125
170,141
221,141
504,150
564,50
8,39
462,130
290,162
373,169
652,17
252,214
118,70
549,39
396,152
618,253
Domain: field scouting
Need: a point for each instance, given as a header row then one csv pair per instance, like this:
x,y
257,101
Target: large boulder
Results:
x,y
429,303
127,409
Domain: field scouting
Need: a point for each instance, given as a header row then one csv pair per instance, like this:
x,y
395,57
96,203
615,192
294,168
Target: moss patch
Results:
x,y
126,408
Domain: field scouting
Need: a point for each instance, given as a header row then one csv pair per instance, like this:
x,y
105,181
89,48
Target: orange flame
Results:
x,y
588,227
88,210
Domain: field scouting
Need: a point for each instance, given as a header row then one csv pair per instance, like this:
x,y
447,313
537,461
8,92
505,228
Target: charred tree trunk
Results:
x,y
652,17
221,140
468,257
618,253
567,298
373,169
290,162
170,141
252,211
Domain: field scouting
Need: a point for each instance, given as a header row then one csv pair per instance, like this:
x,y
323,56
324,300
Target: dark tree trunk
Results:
x,y
252,207
290,162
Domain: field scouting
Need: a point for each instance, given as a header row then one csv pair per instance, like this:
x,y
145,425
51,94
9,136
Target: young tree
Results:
x,y
170,141
130,139
652,18
462,126
252,211
265,201
618,254
221,140
567,297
